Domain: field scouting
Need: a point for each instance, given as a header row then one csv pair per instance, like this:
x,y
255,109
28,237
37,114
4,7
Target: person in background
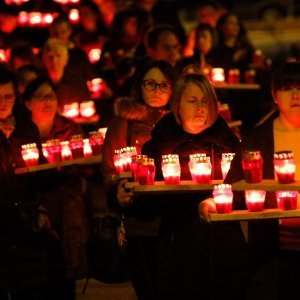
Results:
x,y
163,44
64,201
135,118
23,240
69,87
25,75
192,258
270,240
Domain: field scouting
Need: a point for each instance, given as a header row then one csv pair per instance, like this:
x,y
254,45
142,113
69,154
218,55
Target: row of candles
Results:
x,y
84,109
143,170
217,75
57,151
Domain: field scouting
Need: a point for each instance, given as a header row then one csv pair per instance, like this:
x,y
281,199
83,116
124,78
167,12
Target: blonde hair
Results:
x,y
209,94
54,44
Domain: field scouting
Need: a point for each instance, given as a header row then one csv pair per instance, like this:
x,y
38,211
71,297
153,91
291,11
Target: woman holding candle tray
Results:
x,y
135,118
279,132
64,202
193,258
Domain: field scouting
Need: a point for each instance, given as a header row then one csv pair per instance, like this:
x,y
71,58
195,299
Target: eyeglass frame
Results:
x,y
45,98
157,85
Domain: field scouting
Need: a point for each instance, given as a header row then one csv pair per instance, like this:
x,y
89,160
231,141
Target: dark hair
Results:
x,y
206,27
154,34
7,75
168,71
35,85
287,74
205,86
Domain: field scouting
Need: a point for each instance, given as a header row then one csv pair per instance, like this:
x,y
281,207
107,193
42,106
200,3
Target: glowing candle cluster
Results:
x,y
85,109
223,196
171,168
35,19
134,164
284,166
123,159
200,168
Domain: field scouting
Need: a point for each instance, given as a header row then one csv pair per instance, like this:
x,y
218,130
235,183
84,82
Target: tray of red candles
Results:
x,y
94,159
160,187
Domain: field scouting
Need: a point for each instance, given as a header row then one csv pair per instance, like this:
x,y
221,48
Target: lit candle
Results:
x,y
252,163
94,55
255,200
47,19
87,109
226,162
35,18
222,194
30,154
126,157
200,168
103,132
53,149
87,149
171,168
3,55
96,87
145,172
217,75
234,76
74,16
287,200
71,110
76,146
66,153
96,142
284,166
134,164
23,18
117,161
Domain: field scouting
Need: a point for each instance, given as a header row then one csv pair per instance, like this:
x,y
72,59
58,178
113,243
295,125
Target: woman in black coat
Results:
x,y
193,258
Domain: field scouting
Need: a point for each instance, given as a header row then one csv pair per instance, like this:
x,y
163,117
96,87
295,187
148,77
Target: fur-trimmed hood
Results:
x,y
130,109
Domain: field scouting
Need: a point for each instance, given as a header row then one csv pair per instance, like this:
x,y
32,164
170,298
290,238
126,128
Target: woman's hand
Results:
x,y
206,207
124,198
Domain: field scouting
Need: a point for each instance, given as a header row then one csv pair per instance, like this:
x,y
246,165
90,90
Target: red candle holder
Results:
x,y
284,166
96,142
30,154
287,200
103,132
76,146
134,164
171,168
71,110
218,75
66,153
226,162
96,87
250,76
234,76
52,149
74,16
145,172
252,163
87,149
126,157
87,109
223,198
255,200
94,55
200,168
117,161
3,57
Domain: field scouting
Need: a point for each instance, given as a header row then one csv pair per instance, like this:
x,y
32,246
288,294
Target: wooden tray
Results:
x,y
243,215
237,86
266,185
95,159
159,187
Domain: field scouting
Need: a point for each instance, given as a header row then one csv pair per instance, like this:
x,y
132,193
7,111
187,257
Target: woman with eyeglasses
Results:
x,y
64,199
135,118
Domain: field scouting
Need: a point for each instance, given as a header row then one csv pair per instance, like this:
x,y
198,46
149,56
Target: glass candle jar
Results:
x,y
87,109
284,166
171,168
252,163
226,162
218,75
223,195
145,172
234,76
53,149
76,146
200,168
126,154
134,164
287,200
96,141
30,154
103,132
66,153
87,149
255,200
71,110
250,76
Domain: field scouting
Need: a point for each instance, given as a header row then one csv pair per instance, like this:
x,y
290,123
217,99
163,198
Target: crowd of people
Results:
x,y
160,99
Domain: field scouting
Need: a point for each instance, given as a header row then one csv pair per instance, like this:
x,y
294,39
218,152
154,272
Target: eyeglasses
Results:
x,y
44,98
151,85
8,98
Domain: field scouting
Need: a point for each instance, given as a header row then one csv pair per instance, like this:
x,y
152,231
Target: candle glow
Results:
x,y
30,154
171,168
223,195
217,75
287,200
255,200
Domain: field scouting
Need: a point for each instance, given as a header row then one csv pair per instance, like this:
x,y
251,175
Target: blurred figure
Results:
x,y
78,60
70,87
163,44
64,201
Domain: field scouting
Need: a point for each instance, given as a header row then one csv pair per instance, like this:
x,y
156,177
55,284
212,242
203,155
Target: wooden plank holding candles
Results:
x,y
94,159
237,86
266,185
244,215
159,187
